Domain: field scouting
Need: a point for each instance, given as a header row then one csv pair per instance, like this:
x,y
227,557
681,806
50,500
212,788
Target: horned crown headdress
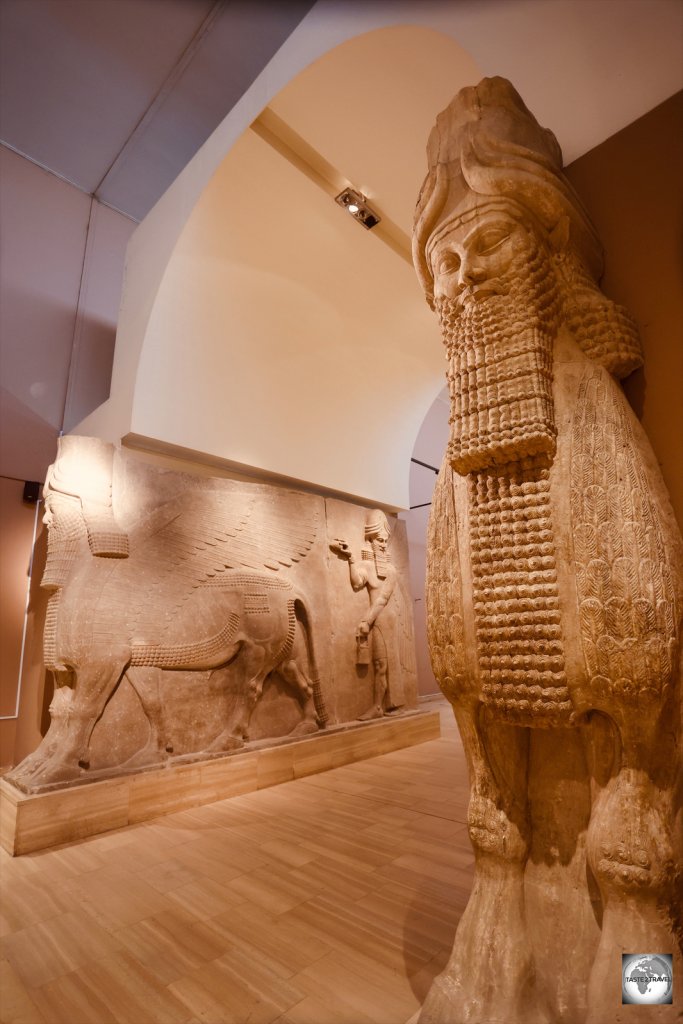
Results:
x,y
487,142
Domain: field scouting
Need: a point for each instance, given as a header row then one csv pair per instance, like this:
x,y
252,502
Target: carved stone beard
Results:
x,y
66,530
500,367
373,554
503,440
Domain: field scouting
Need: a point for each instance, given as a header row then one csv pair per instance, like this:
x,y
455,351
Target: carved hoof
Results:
x,y
492,832
43,773
305,728
146,758
639,857
372,713
224,743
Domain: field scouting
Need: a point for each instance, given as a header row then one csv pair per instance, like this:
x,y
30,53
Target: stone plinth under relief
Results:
x,y
30,822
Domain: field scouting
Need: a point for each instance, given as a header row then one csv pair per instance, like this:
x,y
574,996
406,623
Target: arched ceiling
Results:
x,y
262,327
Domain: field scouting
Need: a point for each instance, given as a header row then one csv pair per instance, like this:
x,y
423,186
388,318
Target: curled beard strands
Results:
x,y
500,368
517,617
503,439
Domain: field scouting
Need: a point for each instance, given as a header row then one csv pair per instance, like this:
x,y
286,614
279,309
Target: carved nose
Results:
x,y
470,273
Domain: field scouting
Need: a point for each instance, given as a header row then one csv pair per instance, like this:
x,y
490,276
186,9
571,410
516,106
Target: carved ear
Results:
x,y
559,235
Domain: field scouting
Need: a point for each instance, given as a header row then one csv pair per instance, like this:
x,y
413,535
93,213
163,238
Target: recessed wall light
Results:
x,y
357,206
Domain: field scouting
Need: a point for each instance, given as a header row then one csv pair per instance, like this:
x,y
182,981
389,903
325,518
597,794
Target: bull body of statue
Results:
x,y
554,589
178,592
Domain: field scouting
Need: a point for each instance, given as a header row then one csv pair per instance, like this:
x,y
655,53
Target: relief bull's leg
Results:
x,y
147,684
94,686
490,976
631,851
254,666
75,710
32,769
293,674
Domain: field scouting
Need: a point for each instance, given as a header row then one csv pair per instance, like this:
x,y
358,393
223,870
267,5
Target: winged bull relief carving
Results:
x,y
186,617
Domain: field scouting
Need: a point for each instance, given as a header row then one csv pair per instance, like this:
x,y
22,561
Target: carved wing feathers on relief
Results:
x,y
195,537
443,590
404,606
627,603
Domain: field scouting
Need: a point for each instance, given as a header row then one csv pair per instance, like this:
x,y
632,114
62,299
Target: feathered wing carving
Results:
x,y
191,540
445,631
402,600
406,637
627,603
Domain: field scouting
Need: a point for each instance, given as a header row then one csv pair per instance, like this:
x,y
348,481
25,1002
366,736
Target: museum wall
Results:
x,y
631,185
62,256
62,270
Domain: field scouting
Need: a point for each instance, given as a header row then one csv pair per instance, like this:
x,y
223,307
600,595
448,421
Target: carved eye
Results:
x,y
491,240
447,263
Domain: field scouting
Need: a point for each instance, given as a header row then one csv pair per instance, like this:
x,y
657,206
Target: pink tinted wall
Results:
x,y
62,256
631,185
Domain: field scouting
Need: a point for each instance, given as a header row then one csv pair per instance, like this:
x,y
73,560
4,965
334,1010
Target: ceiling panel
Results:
x,y
239,43
44,226
78,75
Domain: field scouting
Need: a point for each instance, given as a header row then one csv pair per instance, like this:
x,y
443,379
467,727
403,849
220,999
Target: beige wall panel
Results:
x,y
44,225
631,185
16,540
98,312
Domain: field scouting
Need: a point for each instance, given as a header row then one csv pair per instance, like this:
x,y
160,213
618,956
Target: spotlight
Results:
x,y
357,206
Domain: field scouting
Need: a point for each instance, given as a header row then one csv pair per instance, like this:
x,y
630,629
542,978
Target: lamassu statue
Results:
x,y
554,587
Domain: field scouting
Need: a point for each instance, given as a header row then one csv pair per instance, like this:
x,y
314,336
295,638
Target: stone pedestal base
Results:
x,y
29,823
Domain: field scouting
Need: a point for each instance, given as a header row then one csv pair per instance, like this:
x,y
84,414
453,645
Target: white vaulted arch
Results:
x,y
260,326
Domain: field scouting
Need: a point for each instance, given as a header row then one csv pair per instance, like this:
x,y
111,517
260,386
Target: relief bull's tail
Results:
x,y
318,697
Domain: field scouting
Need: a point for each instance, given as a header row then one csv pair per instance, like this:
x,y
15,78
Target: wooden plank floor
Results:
x,y
329,900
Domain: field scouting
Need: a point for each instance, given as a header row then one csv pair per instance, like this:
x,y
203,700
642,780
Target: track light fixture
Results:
x,y
357,206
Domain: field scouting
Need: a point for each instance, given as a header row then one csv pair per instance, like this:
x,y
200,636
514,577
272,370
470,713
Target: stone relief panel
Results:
x,y
554,591
190,616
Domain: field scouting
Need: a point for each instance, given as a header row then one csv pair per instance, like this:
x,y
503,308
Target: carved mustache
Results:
x,y
470,294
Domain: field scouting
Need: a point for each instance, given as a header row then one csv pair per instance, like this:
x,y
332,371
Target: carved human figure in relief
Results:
x,y
554,588
379,632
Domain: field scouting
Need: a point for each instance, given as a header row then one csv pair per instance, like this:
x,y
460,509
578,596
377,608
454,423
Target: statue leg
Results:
x,y
255,667
147,684
293,673
63,754
380,665
490,976
562,908
631,850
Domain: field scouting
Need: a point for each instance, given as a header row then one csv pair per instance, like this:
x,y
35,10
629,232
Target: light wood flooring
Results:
x,y
329,900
